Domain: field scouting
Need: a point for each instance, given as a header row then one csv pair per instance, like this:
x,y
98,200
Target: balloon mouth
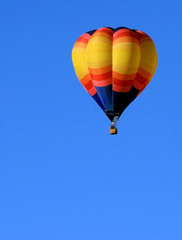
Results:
x,y
113,116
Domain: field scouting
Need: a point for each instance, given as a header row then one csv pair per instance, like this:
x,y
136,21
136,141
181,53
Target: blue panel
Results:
x,y
105,94
99,102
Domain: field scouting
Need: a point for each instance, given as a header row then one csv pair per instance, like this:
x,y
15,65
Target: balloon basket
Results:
x,y
113,130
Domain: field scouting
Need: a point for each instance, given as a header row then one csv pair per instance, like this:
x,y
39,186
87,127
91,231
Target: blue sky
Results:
x,y
62,176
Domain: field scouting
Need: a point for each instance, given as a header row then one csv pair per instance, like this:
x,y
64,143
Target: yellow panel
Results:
x,y
154,67
148,61
126,57
99,52
149,57
79,62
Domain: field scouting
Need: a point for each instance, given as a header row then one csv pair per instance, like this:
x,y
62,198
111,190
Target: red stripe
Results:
x,y
121,76
86,35
86,79
102,83
100,77
122,31
117,88
122,82
140,34
82,39
124,34
141,79
105,30
92,91
89,85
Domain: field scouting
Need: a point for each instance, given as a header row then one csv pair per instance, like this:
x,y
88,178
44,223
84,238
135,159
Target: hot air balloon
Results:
x,y
114,66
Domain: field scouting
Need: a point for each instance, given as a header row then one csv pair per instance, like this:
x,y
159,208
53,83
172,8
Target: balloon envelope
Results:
x,y
114,66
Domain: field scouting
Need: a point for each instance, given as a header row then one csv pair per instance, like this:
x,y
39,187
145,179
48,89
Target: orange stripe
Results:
x,y
137,85
145,39
120,76
80,44
105,30
85,79
124,34
144,73
103,34
126,39
92,91
102,83
101,77
100,70
84,36
88,85
141,79
82,39
127,31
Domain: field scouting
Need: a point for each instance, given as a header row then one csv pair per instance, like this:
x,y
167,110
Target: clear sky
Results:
x,y
62,176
